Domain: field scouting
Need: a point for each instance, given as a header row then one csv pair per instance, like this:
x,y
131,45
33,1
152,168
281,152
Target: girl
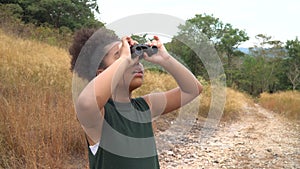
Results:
x,y
118,126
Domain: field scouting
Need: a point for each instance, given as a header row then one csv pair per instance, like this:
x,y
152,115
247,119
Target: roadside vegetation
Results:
x,y
38,126
283,103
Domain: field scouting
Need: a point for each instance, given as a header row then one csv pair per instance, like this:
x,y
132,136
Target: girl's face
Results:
x,y
133,76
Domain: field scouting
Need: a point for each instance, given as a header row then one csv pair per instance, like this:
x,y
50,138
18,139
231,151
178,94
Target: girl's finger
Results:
x,y
148,43
125,39
135,42
154,42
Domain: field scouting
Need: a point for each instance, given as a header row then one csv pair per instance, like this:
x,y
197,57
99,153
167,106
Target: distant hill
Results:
x,y
244,50
270,54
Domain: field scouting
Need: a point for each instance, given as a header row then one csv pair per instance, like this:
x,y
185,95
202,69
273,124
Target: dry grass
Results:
x,y
38,128
234,104
285,103
155,82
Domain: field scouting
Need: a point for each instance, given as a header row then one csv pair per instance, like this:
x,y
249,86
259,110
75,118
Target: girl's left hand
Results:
x,y
162,54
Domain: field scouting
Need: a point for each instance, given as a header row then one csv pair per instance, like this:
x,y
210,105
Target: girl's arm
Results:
x,y
188,86
91,101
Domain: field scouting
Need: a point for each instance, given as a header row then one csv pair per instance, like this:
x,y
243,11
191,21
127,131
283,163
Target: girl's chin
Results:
x,y
135,84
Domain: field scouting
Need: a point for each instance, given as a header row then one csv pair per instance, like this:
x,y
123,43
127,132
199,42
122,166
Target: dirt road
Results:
x,y
260,139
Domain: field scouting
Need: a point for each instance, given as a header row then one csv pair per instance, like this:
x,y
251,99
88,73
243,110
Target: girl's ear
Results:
x,y
99,71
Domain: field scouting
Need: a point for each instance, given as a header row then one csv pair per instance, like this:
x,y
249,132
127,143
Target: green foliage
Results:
x,y
30,19
206,24
293,47
10,12
208,29
140,39
187,56
293,73
74,14
258,74
14,10
266,68
230,39
267,47
269,67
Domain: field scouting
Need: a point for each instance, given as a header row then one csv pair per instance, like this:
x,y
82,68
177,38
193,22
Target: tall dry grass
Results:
x,y
234,104
38,128
285,103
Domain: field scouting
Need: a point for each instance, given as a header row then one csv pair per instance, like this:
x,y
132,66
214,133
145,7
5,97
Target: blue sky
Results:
x,y
276,18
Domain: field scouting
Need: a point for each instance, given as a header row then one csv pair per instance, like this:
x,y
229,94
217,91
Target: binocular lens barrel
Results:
x,y
154,49
139,49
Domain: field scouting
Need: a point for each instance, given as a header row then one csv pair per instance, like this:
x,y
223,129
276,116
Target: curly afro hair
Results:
x,y
87,51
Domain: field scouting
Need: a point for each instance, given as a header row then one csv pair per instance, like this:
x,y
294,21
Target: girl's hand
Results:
x,y
125,49
162,54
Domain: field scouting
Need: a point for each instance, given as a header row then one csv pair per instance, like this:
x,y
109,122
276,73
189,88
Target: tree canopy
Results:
x,y
293,74
269,66
73,14
224,38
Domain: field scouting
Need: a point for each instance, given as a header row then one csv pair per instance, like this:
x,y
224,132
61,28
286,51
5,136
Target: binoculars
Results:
x,y
139,49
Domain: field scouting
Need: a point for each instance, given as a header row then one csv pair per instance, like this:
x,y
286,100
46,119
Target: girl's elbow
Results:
x,y
200,88
86,112
82,104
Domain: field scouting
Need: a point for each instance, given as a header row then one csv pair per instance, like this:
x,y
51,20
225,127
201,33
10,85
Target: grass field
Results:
x,y
38,127
286,104
38,124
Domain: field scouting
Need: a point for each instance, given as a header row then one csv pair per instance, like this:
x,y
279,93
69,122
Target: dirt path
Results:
x,y
260,139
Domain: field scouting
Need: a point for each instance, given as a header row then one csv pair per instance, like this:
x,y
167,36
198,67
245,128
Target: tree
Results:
x,y
140,38
249,80
267,47
293,74
187,56
264,65
227,47
73,14
230,40
224,37
14,10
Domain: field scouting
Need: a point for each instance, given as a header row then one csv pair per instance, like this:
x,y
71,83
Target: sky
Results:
x,y
276,18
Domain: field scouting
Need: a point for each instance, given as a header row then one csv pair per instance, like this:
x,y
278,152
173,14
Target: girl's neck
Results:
x,y
121,96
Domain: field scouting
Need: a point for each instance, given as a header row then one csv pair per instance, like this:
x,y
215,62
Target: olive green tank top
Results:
x,y
127,140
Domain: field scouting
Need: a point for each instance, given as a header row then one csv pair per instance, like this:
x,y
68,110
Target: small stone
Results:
x,y
216,161
170,153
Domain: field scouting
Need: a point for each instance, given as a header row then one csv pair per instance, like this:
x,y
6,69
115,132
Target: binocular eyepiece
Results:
x,y
139,49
